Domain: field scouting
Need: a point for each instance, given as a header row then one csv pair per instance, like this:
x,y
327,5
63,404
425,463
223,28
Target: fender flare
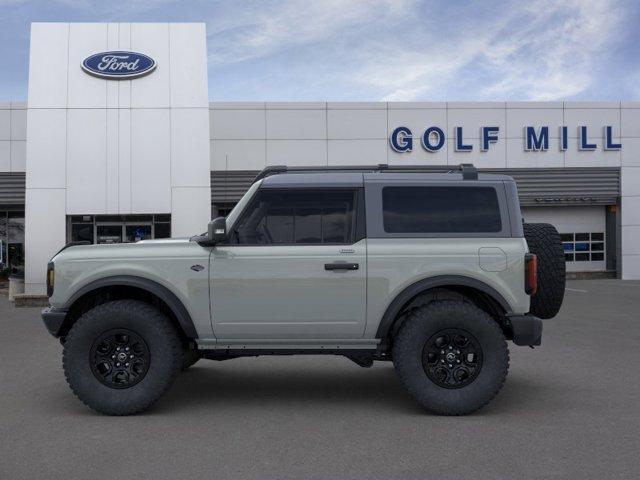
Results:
x,y
420,286
167,296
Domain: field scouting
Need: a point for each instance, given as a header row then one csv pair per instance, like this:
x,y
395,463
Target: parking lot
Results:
x,y
569,409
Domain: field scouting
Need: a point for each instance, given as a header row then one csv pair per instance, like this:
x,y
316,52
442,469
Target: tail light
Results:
x,y
530,274
51,276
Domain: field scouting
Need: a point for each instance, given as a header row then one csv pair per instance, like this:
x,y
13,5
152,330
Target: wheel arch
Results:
x,y
129,286
479,292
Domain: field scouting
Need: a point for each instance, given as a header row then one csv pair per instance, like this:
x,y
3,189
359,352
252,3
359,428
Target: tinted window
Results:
x,y
440,210
279,217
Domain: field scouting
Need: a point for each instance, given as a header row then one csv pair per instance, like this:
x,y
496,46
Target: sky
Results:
x,y
388,50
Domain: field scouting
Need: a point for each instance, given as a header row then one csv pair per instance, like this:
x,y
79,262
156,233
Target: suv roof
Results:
x,y
280,176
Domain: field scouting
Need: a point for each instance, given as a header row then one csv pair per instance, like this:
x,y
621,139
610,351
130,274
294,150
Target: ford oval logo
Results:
x,y
118,65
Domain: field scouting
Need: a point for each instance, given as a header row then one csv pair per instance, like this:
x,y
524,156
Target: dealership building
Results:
x,y
118,141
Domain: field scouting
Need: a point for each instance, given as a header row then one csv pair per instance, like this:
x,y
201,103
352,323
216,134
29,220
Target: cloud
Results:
x,y
546,51
267,28
408,50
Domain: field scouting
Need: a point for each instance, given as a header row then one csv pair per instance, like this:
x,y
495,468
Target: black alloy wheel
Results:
x,y
452,358
119,358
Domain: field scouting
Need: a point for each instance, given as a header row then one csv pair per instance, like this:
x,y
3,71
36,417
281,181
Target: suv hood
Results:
x,y
143,248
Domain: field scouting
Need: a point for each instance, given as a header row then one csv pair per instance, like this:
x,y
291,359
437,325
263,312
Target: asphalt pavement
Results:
x,y
569,409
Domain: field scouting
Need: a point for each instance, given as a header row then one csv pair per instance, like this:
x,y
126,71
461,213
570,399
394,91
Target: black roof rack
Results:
x,y
469,172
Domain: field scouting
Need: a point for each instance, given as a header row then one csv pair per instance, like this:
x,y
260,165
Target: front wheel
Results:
x,y
122,356
451,356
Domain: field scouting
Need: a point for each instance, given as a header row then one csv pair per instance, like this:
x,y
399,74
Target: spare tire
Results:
x,y
544,241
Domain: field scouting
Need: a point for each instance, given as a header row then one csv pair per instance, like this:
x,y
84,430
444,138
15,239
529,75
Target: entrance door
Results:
x,y
295,268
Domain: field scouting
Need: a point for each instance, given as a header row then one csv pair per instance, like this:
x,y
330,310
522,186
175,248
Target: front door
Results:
x,y
295,267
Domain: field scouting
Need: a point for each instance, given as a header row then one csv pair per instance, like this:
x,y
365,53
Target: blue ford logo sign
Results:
x,y
118,65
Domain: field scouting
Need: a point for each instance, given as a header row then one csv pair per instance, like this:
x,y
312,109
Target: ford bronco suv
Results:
x,y
433,271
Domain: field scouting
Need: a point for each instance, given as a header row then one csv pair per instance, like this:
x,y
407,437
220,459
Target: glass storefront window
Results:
x,y
11,241
135,233
82,232
109,233
117,228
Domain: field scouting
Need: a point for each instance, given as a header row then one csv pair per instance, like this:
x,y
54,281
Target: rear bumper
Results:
x,y
53,319
527,330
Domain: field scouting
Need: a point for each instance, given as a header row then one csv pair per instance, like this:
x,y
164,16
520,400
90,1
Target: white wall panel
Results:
x,y
630,243
518,118
18,156
495,157
592,118
630,153
150,161
190,210
297,152
18,124
472,119
86,91
630,181
124,161
357,152
190,165
86,161
153,90
630,267
5,124
630,211
238,154
124,86
630,122
5,156
47,149
44,233
188,50
237,124
48,61
296,124
518,157
357,124
418,120
113,43
596,158
111,164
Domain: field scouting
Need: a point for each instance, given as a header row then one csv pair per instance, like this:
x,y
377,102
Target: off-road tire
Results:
x,y
189,358
544,241
148,323
424,322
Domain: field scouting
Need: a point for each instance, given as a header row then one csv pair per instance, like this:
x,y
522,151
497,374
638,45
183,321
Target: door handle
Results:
x,y
341,266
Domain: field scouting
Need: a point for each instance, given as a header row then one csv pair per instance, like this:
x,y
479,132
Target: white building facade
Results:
x,y
109,160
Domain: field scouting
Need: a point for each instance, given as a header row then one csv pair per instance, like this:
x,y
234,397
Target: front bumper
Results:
x,y
527,330
53,319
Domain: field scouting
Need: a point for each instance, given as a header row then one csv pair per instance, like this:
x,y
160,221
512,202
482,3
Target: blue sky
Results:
x,y
377,49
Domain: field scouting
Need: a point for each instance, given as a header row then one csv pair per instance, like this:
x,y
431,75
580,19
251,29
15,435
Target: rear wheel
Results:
x,y
451,356
121,356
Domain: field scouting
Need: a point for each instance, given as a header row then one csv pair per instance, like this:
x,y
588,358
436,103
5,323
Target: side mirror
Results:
x,y
217,230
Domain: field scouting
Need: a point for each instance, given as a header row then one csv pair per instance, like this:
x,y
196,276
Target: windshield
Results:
x,y
237,210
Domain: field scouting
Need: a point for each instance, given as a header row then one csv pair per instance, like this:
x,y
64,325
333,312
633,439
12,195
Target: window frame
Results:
x,y
375,214
357,233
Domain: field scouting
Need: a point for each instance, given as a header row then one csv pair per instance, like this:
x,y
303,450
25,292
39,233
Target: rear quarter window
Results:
x,y
447,209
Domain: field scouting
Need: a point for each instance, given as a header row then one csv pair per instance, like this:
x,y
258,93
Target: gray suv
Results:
x,y
433,271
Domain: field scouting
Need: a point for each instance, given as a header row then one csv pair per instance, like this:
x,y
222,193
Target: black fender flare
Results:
x,y
420,286
160,291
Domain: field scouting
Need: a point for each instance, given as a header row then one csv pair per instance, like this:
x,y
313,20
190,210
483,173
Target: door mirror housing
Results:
x,y
216,233
217,230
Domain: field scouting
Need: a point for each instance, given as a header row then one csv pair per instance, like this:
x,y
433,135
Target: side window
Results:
x,y
440,210
298,217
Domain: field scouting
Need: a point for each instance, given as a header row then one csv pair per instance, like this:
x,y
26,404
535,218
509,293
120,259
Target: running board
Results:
x,y
292,344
